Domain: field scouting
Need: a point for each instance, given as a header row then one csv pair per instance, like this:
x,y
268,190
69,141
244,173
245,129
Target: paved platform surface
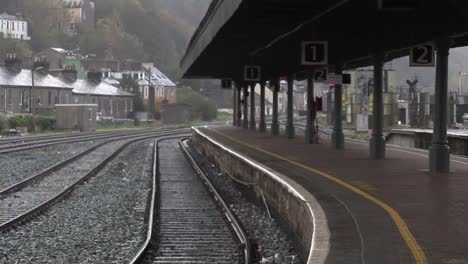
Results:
x,y
450,132
391,211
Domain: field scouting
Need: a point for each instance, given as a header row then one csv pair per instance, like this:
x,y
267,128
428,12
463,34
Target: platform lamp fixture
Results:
x,y
32,87
461,76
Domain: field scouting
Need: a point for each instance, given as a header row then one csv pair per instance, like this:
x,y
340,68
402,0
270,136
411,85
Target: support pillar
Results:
x,y
290,110
377,142
310,132
234,106
262,125
239,106
439,152
274,121
337,138
253,125
245,121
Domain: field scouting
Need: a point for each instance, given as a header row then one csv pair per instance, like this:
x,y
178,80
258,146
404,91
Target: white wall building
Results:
x,y
13,27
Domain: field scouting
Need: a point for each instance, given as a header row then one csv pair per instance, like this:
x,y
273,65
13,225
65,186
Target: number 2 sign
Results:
x,y
422,56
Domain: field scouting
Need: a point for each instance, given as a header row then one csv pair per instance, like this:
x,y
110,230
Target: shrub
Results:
x,y
22,121
2,123
45,123
200,106
41,123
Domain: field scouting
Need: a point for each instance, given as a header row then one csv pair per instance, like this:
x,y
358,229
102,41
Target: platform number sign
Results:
x,y
252,73
314,53
320,75
226,83
422,56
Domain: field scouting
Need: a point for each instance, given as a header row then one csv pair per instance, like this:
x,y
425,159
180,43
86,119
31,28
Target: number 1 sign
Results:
x,y
314,53
422,56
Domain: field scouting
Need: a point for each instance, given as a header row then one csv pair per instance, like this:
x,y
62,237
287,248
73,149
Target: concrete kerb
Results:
x,y
320,238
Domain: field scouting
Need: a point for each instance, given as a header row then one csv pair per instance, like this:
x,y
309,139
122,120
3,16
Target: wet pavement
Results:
x,y
391,211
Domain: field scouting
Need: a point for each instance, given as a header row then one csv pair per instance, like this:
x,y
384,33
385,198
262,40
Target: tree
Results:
x,y
131,85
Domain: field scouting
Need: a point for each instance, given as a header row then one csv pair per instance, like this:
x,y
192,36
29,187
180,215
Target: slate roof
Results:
x,y
6,16
22,78
102,88
157,77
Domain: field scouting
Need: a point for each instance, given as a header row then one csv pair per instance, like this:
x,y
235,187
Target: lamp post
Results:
x,y
460,82
32,87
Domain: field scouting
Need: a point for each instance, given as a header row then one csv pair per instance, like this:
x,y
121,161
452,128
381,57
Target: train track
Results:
x,y
26,143
193,224
35,194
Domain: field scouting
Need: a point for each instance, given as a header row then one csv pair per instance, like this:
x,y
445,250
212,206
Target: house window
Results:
x,y
90,110
38,100
56,99
49,98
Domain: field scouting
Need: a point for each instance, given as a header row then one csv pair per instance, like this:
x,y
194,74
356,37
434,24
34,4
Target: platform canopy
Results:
x,y
235,33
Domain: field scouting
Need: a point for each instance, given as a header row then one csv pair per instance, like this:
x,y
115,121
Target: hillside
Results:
x,y
150,30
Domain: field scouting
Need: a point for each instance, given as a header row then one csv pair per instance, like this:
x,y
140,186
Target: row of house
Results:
x,y
146,75
38,91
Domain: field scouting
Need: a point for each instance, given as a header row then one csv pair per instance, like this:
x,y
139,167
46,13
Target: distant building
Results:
x,y
164,89
78,13
17,95
13,27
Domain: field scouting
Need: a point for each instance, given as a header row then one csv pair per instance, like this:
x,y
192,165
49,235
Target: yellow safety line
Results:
x,y
417,251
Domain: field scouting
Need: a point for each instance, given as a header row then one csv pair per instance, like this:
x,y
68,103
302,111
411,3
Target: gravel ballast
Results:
x,y
102,221
270,236
17,166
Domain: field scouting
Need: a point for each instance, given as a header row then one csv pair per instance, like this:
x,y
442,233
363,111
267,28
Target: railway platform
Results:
x,y
378,211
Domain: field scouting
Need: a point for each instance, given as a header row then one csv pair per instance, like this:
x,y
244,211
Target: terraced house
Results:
x,y
37,91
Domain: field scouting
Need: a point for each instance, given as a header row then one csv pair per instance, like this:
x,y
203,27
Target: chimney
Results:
x,y
13,62
70,74
41,62
94,76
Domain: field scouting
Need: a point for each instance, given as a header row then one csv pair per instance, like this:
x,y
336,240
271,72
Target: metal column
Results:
x,y
239,105
310,129
274,122
377,142
337,138
234,106
253,125
262,125
439,152
245,121
290,111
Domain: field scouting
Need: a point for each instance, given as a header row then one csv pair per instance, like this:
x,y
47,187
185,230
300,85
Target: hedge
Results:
x,y
32,123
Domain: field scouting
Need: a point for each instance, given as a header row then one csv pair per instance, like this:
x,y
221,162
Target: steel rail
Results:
x,y
23,139
152,203
46,204
233,221
56,141
61,164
